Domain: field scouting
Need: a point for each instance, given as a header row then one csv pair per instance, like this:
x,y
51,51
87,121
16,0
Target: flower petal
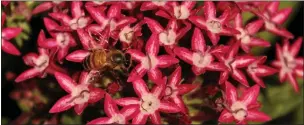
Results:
x,y
62,104
281,16
77,56
231,94
110,107
155,118
180,103
184,54
168,107
96,94
165,61
175,77
28,74
226,117
186,88
129,111
153,25
76,9
63,18
254,26
296,46
257,116
79,108
140,87
240,77
9,48
10,32
42,7
127,101
213,37
209,10
152,45
243,61
198,41
138,72
154,74
140,119
98,121
136,55
293,82
250,96
65,82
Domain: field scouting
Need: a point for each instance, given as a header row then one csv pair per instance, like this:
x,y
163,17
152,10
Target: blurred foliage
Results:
x,y
67,119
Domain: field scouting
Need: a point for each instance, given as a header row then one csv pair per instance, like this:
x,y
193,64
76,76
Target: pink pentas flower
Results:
x,y
152,5
78,20
274,19
214,26
79,95
148,103
246,35
114,20
233,62
169,36
5,3
129,34
242,108
114,115
174,89
150,62
61,43
288,63
42,65
55,5
200,57
7,34
257,70
230,6
177,11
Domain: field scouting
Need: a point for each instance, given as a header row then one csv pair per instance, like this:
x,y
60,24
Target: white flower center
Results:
x,y
149,104
243,36
80,94
80,22
112,24
150,62
98,2
62,39
42,62
201,60
214,26
167,37
126,34
181,12
159,3
239,110
118,119
57,1
288,62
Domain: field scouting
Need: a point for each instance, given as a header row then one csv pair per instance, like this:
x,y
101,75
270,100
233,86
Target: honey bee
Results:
x,y
112,63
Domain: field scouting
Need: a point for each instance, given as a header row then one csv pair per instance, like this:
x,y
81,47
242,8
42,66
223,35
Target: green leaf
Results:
x,y
4,121
299,115
279,100
66,119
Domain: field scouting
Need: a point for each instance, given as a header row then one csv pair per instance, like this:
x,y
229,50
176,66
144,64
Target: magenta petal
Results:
x,y
166,61
281,16
216,67
293,82
264,70
184,54
10,32
273,6
3,17
296,46
28,74
9,48
50,24
62,53
198,41
136,55
186,88
209,10
198,21
175,77
280,31
140,87
110,107
154,74
180,103
155,118
140,119
98,121
197,70
79,108
129,112
152,46
225,117
163,14
65,82
243,61
223,77
154,26
77,56
250,96
257,116
238,22
63,18
213,37
76,9
159,88
62,104
127,101
231,94
29,58
96,14
168,107
240,77
114,11
147,6
254,27
257,79
138,72
42,7
96,94
233,50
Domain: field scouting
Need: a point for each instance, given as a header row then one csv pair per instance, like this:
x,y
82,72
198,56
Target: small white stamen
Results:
x,y
181,12
214,26
201,60
239,110
149,104
167,37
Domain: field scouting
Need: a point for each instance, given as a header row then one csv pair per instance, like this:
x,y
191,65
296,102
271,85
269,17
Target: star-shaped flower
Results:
x,y
174,89
79,94
257,69
177,11
150,62
7,34
170,36
242,108
233,62
274,19
61,42
149,104
200,57
246,35
114,115
290,66
152,5
56,5
214,26
41,65
114,20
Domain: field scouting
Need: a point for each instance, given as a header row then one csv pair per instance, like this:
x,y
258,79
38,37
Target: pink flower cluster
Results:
x,y
104,24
